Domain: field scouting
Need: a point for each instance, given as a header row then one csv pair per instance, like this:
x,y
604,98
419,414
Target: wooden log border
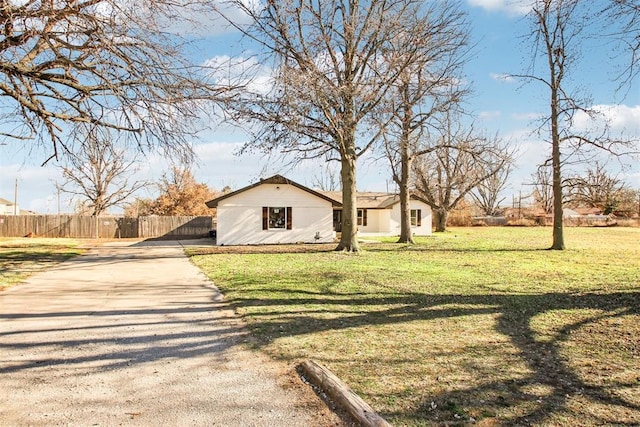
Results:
x,y
341,394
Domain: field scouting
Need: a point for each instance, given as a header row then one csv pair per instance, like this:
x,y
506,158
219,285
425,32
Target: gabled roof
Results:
x,y
5,202
276,179
372,200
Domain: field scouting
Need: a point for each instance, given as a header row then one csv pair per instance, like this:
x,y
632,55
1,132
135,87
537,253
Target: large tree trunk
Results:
x,y
558,227
558,231
349,237
441,216
406,234
96,230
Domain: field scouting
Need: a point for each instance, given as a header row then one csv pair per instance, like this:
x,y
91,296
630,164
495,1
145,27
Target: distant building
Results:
x,y
8,208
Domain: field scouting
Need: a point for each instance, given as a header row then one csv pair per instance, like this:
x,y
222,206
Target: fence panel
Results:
x,y
76,226
175,226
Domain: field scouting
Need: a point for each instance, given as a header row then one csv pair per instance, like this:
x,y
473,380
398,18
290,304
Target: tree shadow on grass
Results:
x,y
548,367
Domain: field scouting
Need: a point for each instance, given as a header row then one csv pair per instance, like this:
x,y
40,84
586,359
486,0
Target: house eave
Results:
x,y
276,179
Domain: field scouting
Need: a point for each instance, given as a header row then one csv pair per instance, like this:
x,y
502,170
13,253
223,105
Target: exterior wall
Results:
x,y
378,222
424,230
386,222
240,217
9,209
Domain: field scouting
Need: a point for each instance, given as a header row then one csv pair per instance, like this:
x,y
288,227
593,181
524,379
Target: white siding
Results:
x,y
386,222
378,222
426,227
240,217
6,209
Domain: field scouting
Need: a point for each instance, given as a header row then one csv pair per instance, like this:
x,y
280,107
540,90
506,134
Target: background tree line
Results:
x,y
179,195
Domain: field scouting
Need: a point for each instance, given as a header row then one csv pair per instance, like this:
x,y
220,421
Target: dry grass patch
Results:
x,y
21,257
477,325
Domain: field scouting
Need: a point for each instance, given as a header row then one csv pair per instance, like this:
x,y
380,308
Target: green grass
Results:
x,y
474,325
21,257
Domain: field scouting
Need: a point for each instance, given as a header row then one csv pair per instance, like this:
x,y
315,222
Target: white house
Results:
x,y
379,214
8,208
274,210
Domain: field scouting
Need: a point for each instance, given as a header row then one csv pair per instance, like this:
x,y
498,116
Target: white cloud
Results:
x,y
511,7
501,77
238,70
621,119
217,151
187,18
525,116
533,150
490,115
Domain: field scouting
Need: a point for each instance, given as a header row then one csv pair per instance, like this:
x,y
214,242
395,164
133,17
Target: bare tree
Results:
x,y
98,172
628,203
327,179
596,188
458,165
107,63
623,24
543,188
487,194
557,29
332,68
425,89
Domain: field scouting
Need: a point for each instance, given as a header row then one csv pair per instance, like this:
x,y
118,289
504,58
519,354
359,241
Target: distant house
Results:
x,y
379,214
274,210
8,208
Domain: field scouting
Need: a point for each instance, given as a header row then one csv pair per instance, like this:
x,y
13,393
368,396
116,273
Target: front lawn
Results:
x,y
21,257
476,325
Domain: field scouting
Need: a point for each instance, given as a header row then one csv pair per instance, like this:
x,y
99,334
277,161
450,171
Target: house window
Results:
x,y
274,218
362,217
416,217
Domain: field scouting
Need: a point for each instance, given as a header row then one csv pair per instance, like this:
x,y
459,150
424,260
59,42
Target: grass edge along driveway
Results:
x,y
22,257
476,325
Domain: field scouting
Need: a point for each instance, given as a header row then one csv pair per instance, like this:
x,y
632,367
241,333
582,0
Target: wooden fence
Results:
x,y
76,226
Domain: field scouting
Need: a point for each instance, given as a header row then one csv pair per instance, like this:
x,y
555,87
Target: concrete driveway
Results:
x,y
134,334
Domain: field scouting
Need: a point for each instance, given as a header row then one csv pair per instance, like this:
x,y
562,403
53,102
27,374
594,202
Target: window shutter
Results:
x,y
364,217
289,218
419,215
265,218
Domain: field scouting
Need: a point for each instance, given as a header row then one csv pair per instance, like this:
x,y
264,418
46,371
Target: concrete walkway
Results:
x,y
134,334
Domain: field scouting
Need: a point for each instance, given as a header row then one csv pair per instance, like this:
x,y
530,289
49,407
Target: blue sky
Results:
x,y
499,104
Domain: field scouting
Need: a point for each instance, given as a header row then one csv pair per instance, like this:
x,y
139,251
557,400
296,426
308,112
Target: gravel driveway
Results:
x,y
134,334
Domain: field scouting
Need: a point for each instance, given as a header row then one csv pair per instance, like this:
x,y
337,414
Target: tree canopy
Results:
x,y
333,63
107,63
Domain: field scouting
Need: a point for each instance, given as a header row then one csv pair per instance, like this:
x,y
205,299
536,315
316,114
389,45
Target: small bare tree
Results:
x,y
543,188
460,163
98,172
487,194
596,188
328,178
628,203
107,63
